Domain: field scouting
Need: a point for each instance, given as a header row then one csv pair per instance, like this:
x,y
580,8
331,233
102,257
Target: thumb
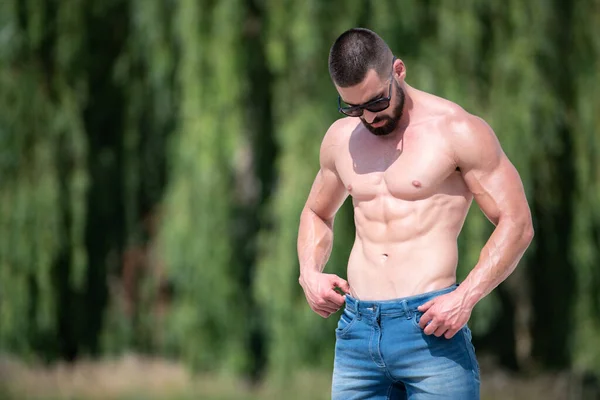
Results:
x,y
426,306
342,284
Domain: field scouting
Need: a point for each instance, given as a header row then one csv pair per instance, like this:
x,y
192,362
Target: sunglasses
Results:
x,y
376,105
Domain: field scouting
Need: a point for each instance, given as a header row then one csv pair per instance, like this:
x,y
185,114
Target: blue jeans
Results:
x,y
382,353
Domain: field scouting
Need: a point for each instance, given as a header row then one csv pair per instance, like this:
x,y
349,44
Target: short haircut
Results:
x,y
354,53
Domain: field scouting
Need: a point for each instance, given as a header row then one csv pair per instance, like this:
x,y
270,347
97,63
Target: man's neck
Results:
x,y
407,109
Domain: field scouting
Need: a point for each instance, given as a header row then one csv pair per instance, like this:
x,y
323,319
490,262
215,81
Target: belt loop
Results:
x,y
407,312
358,309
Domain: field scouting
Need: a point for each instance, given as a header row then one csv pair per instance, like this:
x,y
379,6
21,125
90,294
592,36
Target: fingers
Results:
x,y
437,328
342,284
334,298
325,307
325,311
440,330
322,295
424,307
450,333
425,319
427,316
330,309
430,324
430,327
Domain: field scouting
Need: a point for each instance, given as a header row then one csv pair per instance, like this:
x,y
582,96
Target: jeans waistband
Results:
x,y
395,306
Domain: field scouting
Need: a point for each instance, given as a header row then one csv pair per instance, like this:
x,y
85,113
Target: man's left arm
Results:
x,y
498,190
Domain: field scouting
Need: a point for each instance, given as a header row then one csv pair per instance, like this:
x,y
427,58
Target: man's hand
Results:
x,y
319,289
444,315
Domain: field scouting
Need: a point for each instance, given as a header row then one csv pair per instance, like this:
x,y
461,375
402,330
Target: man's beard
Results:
x,y
391,122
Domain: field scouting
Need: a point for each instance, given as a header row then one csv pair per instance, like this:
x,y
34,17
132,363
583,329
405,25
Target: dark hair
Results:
x,y
354,53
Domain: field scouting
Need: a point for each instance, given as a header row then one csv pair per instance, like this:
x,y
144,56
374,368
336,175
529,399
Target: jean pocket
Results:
x,y
416,318
347,319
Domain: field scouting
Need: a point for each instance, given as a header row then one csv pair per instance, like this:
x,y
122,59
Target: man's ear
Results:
x,y
399,70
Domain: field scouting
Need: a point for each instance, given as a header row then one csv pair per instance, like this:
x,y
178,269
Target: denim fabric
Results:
x,y
382,353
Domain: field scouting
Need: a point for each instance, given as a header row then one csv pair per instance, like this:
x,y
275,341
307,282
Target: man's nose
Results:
x,y
369,116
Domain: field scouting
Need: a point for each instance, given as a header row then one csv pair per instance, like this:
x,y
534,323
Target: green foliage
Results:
x,y
585,242
206,324
42,170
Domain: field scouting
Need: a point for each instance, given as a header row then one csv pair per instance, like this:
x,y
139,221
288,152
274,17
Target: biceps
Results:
x,y
498,192
327,195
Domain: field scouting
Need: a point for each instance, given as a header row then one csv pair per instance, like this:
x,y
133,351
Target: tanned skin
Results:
x,y
411,190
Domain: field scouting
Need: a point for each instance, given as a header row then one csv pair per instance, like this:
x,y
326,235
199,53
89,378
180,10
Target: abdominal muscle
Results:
x,y
410,252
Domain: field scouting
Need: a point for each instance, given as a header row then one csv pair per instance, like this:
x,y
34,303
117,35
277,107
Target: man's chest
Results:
x,y
413,171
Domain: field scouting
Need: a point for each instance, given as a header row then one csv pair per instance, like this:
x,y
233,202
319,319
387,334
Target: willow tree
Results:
x,y
583,62
206,323
143,73
43,174
76,172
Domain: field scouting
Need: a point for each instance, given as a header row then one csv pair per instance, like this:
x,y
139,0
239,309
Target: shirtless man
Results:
x,y
412,163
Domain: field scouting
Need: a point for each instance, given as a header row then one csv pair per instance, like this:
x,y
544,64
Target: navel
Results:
x,y
416,184
384,257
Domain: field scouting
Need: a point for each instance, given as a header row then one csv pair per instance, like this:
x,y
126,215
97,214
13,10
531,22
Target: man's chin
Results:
x,y
382,130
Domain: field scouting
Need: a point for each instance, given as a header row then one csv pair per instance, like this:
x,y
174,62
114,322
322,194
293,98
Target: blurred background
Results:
x,y
155,156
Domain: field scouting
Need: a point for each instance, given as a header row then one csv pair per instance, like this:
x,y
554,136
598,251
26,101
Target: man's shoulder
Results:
x,y
463,131
335,138
441,114
339,132
342,128
453,120
468,135
463,126
445,111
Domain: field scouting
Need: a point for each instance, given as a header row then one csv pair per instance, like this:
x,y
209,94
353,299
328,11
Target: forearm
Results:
x,y
315,240
498,259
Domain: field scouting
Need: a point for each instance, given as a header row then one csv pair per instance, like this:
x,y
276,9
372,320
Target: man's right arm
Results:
x,y
315,234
